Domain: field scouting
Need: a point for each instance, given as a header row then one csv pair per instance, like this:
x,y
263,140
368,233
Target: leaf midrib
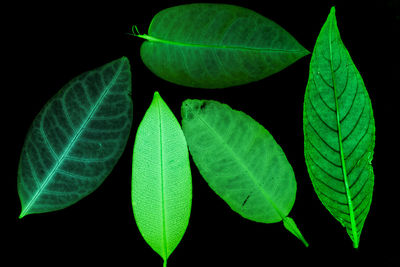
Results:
x,y
242,48
342,158
164,233
74,139
239,161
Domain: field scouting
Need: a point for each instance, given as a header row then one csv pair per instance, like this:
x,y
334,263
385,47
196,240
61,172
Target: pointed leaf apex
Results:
x,y
157,98
23,213
332,13
124,59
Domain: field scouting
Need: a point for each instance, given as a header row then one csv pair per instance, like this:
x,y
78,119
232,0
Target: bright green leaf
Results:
x,y
161,179
339,132
241,162
76,139
216,46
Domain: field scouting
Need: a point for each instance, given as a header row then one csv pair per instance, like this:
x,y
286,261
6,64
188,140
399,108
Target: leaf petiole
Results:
x,y
136,33
291,226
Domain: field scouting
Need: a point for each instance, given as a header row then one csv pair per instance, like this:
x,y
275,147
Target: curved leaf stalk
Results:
x,y
291,226
288,223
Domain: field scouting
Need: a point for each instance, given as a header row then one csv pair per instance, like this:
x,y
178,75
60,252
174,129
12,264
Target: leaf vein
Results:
x,y
75,137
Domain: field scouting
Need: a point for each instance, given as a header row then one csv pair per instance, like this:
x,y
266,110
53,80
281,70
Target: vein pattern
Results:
x,y
161,179
216,46
339,132
241,162
76,139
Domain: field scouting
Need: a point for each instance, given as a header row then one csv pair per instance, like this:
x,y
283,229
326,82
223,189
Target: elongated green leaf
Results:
x,y
241,162
339,132
161,179
76,139
216,46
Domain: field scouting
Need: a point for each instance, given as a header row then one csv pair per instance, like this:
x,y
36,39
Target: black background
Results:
x,y
53,43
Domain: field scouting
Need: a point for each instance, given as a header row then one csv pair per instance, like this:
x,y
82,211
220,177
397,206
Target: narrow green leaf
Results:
x,y
339,132
161,179
216,46
76,139
241,162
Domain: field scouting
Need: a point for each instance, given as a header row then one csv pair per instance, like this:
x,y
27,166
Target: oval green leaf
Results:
x,y
339,132
241,162
161,179
76,139
216,46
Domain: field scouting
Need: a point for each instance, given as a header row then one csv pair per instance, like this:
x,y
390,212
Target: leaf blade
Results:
x,y
240,161
216,46
56,168
339,131
161,179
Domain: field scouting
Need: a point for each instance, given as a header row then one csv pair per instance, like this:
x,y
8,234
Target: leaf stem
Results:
x,y
135,30
291,226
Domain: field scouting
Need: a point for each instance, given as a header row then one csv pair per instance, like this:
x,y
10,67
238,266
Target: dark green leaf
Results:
x,y
216,46
76,139
339,132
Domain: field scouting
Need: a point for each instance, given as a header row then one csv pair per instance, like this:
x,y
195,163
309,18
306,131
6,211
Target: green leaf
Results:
x,y
216,46
241,162
76,139
339,132
161,179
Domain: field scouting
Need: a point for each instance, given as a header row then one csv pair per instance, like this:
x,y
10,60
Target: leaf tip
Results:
x,y
22,215
333,10
124,60
306,52
156,97
158,100
332,13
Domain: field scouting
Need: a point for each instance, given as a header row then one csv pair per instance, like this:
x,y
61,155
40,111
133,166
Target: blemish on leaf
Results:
x,y
187,112
244,202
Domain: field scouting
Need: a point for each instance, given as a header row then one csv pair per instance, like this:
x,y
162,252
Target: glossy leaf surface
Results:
x,y
216,46
241,162
76,139
339,132
161,179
